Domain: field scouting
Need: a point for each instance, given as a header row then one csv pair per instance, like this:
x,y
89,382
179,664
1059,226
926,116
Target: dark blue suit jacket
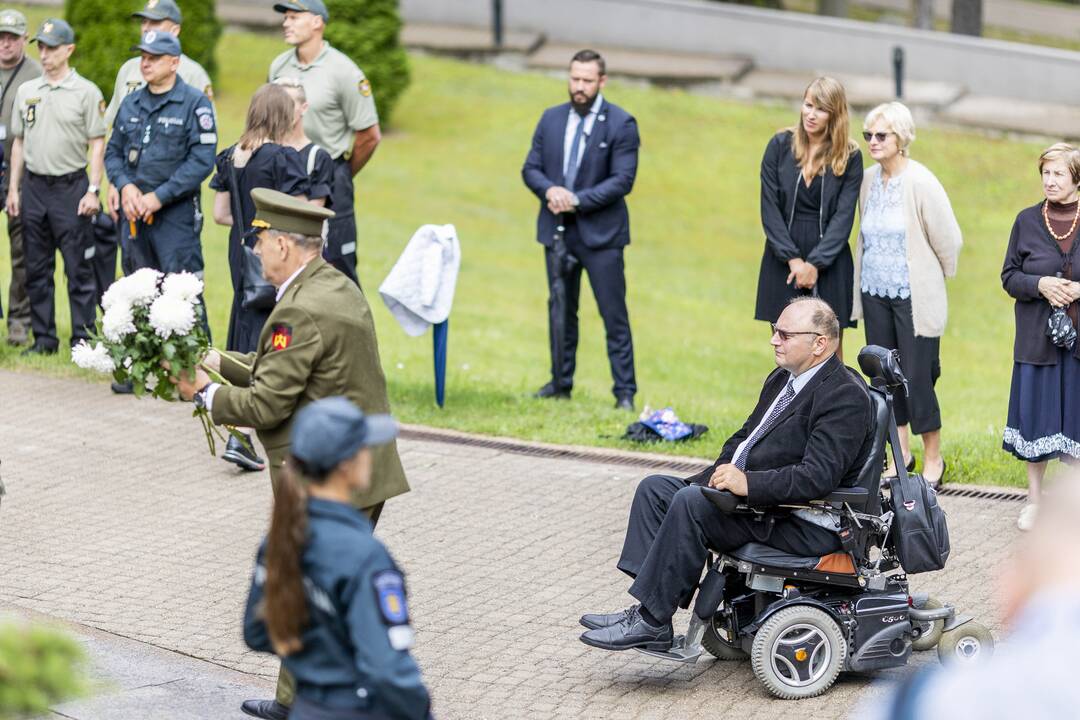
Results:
x,y
605,177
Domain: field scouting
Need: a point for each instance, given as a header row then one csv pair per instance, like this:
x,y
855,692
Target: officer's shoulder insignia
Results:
x,y
281,337
206,121
390,591
208,91
132,86
365,88
102,106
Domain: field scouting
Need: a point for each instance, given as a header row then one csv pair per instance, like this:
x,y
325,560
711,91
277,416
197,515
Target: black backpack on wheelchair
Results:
x,y
803,620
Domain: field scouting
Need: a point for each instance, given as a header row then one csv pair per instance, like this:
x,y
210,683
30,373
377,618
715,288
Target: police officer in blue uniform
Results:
x,y
333,605
162,148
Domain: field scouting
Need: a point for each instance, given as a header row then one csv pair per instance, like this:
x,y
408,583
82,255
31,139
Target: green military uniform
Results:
x,y
13,22
56,122
130,79
318,342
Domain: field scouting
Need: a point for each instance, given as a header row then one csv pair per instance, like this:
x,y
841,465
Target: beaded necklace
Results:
x,y
1046,219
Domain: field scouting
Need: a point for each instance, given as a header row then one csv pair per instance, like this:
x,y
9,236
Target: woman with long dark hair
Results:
x,y
810,179
259,160
326,596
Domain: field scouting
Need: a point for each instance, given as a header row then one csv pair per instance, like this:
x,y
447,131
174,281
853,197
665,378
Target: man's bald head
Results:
x,y
806,334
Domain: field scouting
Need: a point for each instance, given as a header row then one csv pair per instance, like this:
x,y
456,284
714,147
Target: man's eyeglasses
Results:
x,y
786,335
880,137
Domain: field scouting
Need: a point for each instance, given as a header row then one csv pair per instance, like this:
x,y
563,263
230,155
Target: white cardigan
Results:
x,y
420,287
933,247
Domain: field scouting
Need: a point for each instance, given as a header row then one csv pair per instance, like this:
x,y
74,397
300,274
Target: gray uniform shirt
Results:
x,y
130,79
10,80
338,93
57,122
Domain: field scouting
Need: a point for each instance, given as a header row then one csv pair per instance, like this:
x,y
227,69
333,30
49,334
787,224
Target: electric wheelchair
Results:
x,y
803,620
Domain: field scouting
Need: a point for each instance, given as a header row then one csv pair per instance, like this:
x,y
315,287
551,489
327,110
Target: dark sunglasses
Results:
x,y
880,137
786,335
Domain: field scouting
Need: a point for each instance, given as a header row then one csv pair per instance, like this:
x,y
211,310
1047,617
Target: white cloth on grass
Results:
x,y
420,287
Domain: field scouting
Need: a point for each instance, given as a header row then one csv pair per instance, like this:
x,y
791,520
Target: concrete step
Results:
x,y
1009,114
863,91
657,66
466,41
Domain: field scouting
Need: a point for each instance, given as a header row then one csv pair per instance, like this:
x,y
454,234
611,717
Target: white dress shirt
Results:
x,y
571,130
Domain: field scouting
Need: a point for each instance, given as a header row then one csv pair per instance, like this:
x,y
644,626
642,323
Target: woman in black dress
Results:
x,y
315,159
810,180
258,160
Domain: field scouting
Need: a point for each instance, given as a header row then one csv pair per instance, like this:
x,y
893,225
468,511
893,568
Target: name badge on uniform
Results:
x,y
30,117
133,155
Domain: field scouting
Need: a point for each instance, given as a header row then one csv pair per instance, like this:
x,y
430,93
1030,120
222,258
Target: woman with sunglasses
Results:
x,y
259,160
909,242
1040,273
810,178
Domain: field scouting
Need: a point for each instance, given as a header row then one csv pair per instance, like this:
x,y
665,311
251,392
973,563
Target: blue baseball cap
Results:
x,y
158,43
315,7
329,431
54,32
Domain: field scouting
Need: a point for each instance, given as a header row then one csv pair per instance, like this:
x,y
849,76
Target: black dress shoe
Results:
x,y
935,485
124,388
38,349
550,391
624,402
269,709
630,632
236,452
596,620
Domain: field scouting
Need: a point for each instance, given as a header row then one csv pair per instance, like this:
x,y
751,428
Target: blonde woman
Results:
x,y
810,179
909,242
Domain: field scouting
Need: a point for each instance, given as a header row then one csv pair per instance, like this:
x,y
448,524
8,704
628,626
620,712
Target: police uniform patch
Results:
x,y
206,121
365,88
102,106
281,337
390,591
31,111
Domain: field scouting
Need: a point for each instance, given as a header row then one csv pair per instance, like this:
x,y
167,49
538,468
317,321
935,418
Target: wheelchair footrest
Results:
x,y
678,652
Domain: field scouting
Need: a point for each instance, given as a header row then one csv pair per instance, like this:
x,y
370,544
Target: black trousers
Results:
x,y
51,222
671,529
341,229
889,324
607,278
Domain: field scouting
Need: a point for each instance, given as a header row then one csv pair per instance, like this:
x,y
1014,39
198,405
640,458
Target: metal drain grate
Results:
x,y
630,460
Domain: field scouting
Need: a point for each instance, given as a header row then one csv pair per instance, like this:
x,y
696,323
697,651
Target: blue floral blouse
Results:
x,y
883,228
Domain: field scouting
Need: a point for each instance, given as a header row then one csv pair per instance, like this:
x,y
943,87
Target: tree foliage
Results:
x,y
39,666
105,30
368,31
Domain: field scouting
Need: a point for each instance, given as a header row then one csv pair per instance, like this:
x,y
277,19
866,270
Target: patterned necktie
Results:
x,y
572,162
785,399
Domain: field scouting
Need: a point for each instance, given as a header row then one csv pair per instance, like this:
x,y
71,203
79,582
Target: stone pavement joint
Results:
x,y
119,519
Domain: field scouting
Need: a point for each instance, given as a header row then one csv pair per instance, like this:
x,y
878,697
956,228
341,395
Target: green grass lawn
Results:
x,y
454,156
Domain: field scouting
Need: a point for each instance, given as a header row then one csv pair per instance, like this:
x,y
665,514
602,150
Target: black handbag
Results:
x,y
1060,330
919,531
257,292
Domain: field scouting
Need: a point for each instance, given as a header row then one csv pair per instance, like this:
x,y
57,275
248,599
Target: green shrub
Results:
x,y
39,666
105,30
368,32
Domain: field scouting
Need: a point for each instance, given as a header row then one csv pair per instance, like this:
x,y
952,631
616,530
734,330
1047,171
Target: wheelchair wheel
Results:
x,y
798,652
931,629
971,642
720,648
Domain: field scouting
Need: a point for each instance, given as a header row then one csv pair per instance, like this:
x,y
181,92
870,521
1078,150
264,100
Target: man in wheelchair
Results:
x,y
810,434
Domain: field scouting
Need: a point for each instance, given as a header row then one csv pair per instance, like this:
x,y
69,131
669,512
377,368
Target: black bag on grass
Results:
x,y
919,531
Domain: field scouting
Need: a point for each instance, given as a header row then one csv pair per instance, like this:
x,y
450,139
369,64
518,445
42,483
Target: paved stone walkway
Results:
x,y
118,519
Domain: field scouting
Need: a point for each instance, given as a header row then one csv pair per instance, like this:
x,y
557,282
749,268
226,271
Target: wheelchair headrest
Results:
x,y
881,366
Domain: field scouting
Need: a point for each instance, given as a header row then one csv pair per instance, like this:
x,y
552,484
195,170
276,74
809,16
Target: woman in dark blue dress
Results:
x,y
258,160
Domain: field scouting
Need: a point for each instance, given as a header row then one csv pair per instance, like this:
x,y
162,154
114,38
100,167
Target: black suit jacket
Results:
x,y
819,443
605,177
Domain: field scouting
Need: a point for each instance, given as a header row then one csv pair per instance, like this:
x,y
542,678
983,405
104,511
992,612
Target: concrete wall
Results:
x,y
781,41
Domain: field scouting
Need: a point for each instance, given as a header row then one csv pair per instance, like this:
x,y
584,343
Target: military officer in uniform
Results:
x,y
319,341
162,148
16,67
350,656
342,116
57,117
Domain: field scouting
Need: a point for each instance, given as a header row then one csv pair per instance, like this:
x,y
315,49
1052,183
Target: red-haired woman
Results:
x,y
810,180
326,596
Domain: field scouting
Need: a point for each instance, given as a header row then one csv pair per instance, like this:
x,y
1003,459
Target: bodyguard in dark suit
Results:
x,y
808,435
582,165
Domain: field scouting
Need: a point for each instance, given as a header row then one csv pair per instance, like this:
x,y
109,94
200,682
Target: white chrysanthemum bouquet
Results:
x,y
150,322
